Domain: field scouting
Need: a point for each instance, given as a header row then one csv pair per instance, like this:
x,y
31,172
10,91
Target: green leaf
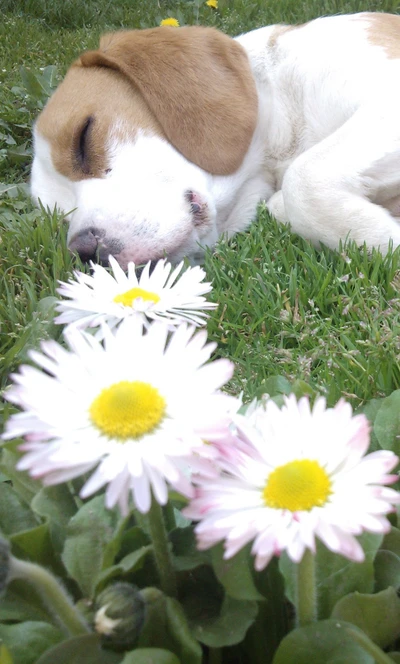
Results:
x,y
23,485
150,656
57,505
186,556
324,642
370,410
235,574
36,545
377,615
275,385
230,626
336,576
387,561
35,84
15,514
391,541
395,656
166,627
83,649
130,563
90,538
28,640
387,570
387,423
300,388
22,602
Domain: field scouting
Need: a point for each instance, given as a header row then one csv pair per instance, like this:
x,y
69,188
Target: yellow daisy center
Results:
x,y
128,409
296,486
130,296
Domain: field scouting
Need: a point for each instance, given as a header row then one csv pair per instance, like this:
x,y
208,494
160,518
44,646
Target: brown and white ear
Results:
x,y
198,84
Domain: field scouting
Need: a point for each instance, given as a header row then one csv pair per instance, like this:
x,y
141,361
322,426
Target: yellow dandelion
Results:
x,y
212,3
172,21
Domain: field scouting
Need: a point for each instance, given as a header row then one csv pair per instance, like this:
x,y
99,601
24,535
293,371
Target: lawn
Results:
x,y
330,319
292,318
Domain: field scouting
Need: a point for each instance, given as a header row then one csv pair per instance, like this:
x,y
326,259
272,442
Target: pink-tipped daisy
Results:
x,y
138,407
298,474
169,295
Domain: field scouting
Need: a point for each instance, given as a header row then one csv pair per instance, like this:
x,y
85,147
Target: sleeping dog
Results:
x,y
163,139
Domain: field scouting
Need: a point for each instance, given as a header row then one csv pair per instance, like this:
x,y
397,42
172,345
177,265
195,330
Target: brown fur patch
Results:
x,y
281,30
100,94
197,83
384,31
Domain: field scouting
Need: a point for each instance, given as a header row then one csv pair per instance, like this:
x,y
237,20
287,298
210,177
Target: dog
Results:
x,y
164,139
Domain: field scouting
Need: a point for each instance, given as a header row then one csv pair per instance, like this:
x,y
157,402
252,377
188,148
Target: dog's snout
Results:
x,y
85,245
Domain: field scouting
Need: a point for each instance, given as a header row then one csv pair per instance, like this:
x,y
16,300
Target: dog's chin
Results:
x,y
193,252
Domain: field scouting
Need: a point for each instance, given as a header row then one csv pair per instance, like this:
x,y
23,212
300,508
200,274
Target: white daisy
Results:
x,y
297,474
172,297
138,408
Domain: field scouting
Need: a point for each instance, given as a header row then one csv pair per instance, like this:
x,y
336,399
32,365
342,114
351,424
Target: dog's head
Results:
x,y
130,141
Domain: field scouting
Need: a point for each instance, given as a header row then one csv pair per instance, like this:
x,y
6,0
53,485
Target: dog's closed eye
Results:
x,y
82,149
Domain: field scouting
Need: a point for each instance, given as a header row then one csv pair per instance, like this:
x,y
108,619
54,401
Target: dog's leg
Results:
x,y
338,188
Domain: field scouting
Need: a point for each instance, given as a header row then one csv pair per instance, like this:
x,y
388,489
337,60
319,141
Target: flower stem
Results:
x,y
371,648
161,550
52,593
306,594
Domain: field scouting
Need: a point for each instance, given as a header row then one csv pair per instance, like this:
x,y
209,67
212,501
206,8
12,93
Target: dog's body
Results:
x,y
164,139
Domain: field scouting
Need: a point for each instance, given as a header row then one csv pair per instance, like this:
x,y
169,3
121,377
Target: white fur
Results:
x,y
325,155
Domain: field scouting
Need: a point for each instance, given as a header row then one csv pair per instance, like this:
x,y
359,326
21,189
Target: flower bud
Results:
x,y
119,615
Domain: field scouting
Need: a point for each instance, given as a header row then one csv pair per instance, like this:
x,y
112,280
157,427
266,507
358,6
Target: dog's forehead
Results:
x,y
117,110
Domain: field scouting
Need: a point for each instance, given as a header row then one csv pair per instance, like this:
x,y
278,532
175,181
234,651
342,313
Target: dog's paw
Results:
x,y
276,207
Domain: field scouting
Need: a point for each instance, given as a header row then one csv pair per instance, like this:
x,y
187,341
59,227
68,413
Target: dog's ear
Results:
x,y
198,84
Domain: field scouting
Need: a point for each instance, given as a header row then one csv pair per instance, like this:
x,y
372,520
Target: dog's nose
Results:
x,y
85,244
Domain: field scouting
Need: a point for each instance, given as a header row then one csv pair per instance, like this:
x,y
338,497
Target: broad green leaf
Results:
x,y
15,514
57,505
395,656
235,574
391,541
166,627
231,625
336,576
34,84
275,385
130,563
370,410
387,570
19,154
150,656
84,649
324,642
387,423
22,602
28,640
36,545
300,388
90,536
23,485
186,556
377,615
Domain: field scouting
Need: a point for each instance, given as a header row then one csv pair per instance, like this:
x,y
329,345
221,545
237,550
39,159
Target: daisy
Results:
x,y
136,408
298,474
170,296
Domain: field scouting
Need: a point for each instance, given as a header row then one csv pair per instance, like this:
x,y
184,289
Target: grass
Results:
x,y
331,319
